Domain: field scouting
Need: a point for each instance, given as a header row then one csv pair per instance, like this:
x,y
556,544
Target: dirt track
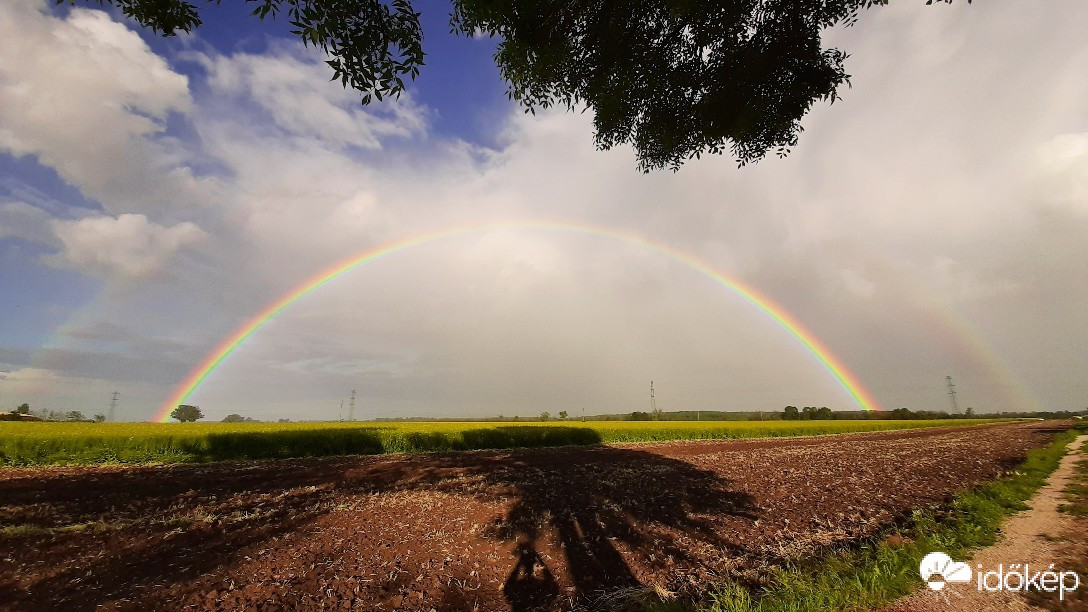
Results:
x,y
494,530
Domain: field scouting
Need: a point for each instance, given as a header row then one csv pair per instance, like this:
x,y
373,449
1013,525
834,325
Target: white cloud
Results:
x,y
292,86
21,220
87,97
46,389
858,284
1062,178
128,245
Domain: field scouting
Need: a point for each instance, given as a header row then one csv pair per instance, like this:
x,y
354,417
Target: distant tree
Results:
x,y
517,418
790,413
75,415
902,414
562,415
544,416
99,418
233,418
824,414
808,413
22,409
284,421
186,413
641,416
969,413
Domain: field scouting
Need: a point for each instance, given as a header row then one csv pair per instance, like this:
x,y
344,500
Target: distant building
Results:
x,y
15,416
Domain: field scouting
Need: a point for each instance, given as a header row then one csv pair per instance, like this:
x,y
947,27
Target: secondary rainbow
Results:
x,y
833,364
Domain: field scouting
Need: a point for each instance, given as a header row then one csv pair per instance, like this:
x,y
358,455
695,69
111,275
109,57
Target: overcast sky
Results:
x,y
155,194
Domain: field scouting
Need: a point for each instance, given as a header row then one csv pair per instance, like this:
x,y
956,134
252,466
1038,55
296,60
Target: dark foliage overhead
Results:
x,y
371,44
673,78
676,78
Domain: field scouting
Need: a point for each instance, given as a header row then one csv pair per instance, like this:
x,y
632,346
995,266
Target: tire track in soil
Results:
x,y
521,529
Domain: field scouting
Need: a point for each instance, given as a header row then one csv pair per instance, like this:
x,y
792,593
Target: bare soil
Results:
x,y
491,530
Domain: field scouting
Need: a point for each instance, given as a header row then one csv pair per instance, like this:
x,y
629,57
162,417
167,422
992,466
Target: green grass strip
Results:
x,y
877,573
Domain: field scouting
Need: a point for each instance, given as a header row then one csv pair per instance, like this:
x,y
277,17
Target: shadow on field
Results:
x,y
369,440
507,436
589,501
287,444
161,537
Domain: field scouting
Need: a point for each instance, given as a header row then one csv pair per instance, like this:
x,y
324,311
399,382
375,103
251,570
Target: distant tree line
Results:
x,y
23,413
237,418
808,413
788,414
1055,414
544,416
187,413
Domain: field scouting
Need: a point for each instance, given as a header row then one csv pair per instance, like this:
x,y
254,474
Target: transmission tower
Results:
x,y
653,402
351,407
952,394
113,405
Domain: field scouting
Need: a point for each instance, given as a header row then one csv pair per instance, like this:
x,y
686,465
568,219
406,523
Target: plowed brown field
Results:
x,y
524,529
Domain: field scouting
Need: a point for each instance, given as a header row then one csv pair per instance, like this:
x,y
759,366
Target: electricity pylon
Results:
x,y
952,394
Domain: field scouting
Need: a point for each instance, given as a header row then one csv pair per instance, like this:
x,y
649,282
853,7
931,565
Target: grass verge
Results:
x,y
885,568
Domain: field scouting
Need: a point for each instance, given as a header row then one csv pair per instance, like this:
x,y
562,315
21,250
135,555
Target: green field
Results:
x,y
75,443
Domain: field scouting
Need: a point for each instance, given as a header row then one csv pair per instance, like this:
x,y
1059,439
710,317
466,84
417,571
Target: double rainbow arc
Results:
x,y
212,360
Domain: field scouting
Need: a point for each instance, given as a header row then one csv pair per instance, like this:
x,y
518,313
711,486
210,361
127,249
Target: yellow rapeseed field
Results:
x,y
66,443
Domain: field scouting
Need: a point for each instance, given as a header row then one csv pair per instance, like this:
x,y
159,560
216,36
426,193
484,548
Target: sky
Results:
x,y
156,194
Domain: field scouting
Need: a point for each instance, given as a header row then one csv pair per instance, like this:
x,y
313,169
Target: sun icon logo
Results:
x,y
938,570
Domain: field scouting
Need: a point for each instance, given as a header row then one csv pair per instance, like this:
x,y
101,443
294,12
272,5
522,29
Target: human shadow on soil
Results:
x,y
589,501
164,527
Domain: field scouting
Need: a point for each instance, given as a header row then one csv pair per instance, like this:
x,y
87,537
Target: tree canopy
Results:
x,y
186,413
673,78
237,418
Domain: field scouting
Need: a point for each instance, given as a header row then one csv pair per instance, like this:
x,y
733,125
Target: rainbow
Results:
x,y
211,361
